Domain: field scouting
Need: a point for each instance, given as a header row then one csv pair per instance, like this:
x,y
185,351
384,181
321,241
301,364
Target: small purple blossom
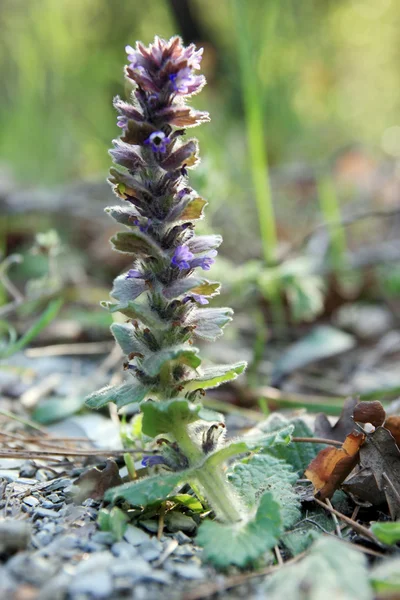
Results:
x,y
133,274
181,257
122,121
143,225
196,298
182,80
158,141
152,460
204,262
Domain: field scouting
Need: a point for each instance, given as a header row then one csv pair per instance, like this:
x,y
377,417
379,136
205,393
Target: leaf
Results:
x,y
180,354
127,393
137,243
56,409
193,210
369,412
381,454
122,214
264,473
197,285
124,334
190,502
125,289
204,243
187,154
158,416
298,455
210,321
147,490
241,543
211,377
343,426
385,579
387,533
307,530
332,569
392,424
45,319
134,310
95,482
324,341
332,465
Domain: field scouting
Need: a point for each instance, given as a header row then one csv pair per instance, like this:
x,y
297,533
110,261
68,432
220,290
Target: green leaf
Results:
x,y
45,319
197,285
211,377
180,354
127,393
124,334
298,455
388,533
249,443
324,341
241,543
261,473
118,522
193,210
191,502
158,416
147,490
385,578
125,289
55,409
210,321
134,310
103,519
307,530
122,214
332,569
137,243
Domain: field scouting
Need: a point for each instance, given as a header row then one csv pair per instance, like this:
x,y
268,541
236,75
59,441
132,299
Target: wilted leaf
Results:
x,y
193,210
393,425
324,341
95,482
369,412
343,426
241,543
332,465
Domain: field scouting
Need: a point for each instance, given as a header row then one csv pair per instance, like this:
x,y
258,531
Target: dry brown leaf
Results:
x,y
332,465
393,425
369,412
342,427
95,482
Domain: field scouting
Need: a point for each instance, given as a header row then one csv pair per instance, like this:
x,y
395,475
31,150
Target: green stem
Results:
x,y
330,209
211,480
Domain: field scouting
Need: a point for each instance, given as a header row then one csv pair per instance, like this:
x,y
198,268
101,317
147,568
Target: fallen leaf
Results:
x,y
343,426
393,425
369,412
381,454
95,482
362,486
332,465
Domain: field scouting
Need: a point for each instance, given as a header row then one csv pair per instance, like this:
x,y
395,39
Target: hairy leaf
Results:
x,y
124,334
332,569
198,285
134,310
211,377
264,473
122,214
158,416
127,393
203,243
193,210
137,243
147,490
210,321
242,543
186,355
125,289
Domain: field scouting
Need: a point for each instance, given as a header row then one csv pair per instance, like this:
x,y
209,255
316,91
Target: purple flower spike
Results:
x,y
158,141
122,121
133,274
204,262
181,258
182,80
152,460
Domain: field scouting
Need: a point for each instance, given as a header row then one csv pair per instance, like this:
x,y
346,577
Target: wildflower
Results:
x,y
158,141
196,298
122,121
204,262
133,274
152,460
181,258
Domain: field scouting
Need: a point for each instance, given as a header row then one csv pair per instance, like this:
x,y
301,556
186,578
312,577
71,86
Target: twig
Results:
x,y
161,521
208,589
70,349
390,483
334,518
353,524
49,438
69,452
278,555
26,422
315,440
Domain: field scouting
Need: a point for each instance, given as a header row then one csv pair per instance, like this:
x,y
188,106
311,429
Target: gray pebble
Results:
x,y
176,521
135,569
14,535
50,505
42,538
103,537
159,576
96,562
41,512
91,503
150,525
151,550
123,550
182,538
135,536
7,584
30,501
28,481
55,498
56,588
32,569
188,571
28,469
184,550
98,584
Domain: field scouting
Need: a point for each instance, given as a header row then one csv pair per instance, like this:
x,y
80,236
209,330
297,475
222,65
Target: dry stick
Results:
x,y
334,519
70,349
69,452
49,438
315,440
26,422
203,591
278,555
161,521
353,524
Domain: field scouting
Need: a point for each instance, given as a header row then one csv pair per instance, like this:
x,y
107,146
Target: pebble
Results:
x,y
135,536
31,501
32,569
136,569
28,469
42,538
41,512
14,535
151,550
176,521
188,571
123,550
103,537
98,584
182,538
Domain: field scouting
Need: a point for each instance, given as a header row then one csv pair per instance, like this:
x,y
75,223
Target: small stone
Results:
x,y
97,584
182,538
32,569
123,550
150,525
135,536
58,484
103,537
50,505
159,576
151,550
96,562
91,503
44,474
135,569
184,550
30,501
42,538
188,571
41,512
176,521
28,469
14,535
28,481
54,498
56,588
7,584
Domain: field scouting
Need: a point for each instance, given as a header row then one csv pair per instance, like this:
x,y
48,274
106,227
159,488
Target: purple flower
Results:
x,y
122,121
143,225
158,141
204,262
182,80
181,257
133,274
152,460
196,298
